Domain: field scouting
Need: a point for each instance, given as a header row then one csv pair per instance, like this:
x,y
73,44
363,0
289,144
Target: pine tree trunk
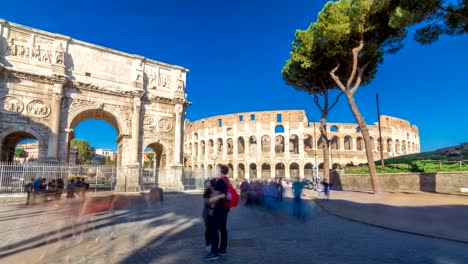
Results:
x,y
325,148
367,142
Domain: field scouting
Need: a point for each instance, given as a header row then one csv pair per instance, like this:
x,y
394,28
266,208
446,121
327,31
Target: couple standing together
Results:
x,y
215,213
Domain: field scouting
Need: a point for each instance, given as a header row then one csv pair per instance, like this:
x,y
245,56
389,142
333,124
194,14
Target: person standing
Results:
x,y
220,214
207,213
297,203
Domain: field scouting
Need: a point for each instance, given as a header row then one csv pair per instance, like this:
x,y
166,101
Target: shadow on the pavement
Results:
x,y
447,221
164,246
81,222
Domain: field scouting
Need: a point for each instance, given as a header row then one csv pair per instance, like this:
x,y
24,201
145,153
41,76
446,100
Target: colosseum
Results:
x,y
280,143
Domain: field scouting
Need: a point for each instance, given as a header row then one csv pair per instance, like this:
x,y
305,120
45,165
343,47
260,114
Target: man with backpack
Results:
x,y
223,198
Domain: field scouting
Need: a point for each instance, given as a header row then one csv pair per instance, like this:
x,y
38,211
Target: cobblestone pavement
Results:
x,y
172,232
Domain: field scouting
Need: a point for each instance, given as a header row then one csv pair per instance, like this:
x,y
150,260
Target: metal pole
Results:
x,y
380,133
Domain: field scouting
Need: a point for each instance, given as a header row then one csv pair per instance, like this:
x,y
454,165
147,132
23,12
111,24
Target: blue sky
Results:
x,y
235,51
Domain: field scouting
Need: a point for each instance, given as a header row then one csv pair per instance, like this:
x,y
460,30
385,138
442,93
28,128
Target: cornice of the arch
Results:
x,y
107,90
29,76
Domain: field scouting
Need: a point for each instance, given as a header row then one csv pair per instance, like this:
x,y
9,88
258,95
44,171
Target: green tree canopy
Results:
x,y
438,17
21,153
85,151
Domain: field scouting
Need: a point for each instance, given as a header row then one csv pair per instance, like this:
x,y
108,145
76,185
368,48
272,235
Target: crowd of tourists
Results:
x,y
220,196
53,189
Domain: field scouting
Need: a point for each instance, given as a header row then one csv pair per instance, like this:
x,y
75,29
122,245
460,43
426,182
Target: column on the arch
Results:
x,y
135,130
55,124
178,134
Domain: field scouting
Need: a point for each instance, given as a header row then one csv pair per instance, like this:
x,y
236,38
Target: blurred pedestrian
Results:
x,y
297,187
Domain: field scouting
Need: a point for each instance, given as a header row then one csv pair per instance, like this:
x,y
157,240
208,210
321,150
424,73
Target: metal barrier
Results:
x,y
14,176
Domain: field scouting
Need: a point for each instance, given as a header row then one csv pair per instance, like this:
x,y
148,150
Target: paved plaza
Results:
x,y
137,231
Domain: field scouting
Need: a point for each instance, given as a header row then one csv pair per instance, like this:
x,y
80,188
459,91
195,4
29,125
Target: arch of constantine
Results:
x,y
285,144
49,83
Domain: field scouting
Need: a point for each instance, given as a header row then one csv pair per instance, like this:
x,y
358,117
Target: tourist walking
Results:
x,y
297,187
220,214
207,213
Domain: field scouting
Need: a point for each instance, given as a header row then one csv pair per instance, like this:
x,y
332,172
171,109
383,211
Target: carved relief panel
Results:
x,y
18,45
165,78
38,108
11,105
42,49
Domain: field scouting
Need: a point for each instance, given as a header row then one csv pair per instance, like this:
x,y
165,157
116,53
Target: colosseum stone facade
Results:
x,y
285,144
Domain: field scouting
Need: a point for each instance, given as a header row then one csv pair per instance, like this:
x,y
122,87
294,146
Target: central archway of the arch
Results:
x,y
134,135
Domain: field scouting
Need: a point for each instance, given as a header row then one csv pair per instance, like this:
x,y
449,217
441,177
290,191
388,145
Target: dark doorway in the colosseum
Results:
x,y
308,170
266,171
253,171
308,144
195,149
241,171
359,143
231,170
202,147
348,143
389,145
240,145
219,150
266,144
230,146
294,144
279,170
294,171
320,144
335,143
210,149
279,144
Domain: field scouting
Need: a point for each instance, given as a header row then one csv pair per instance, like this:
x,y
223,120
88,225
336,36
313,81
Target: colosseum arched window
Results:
x,y
230,146
266,174
308,170
279,170
359,143
266,146
397,146
252,144
414,149
253,171
403,147
348,143
190,149
240,145
389,145
195,136
335,143
294,171
334,129
241,171
202,146
308,142
210,148
279,144
320,144
195,149
219,147
231,170
279,129
294,144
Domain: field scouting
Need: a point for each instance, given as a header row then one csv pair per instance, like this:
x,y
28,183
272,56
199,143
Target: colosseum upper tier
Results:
x,y
273,144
